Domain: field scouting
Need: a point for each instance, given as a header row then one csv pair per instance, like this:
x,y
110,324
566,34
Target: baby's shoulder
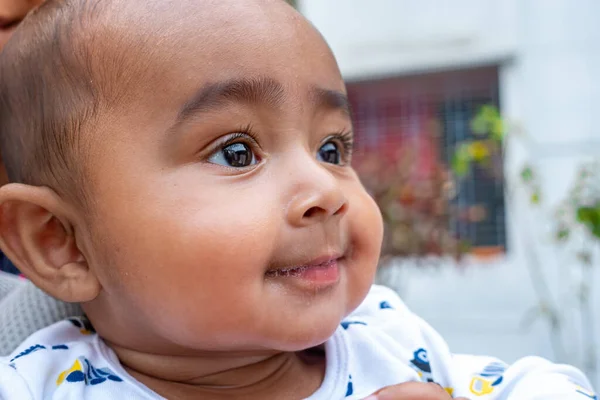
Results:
x,y
73,330
63,357
55,341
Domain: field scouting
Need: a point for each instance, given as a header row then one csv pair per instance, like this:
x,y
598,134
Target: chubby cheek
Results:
x,y
187,260
366,231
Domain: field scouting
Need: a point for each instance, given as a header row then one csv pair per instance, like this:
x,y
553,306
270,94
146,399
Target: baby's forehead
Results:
x,y
166,55
202,30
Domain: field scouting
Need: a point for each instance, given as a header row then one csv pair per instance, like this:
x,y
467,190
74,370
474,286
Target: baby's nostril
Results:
x,y
313,212
342,209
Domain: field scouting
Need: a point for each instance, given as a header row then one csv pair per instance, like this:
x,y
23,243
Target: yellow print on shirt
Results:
x,y
486,381
82,370
84,326
75,368
585,393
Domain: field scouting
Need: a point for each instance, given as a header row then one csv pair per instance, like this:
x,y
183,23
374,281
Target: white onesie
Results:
x,y
380,344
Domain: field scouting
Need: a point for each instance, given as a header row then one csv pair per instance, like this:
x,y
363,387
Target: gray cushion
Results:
x,y
8,283
25,309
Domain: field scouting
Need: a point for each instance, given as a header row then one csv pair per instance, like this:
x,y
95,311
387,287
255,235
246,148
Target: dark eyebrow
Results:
x,y
214,95
331,99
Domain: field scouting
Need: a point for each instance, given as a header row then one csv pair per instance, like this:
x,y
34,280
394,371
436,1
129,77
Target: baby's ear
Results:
x,y
37,235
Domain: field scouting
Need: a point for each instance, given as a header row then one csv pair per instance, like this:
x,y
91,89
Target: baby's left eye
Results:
x,y
330,153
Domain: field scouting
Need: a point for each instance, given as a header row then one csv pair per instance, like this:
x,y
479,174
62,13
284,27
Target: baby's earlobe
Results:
x,y
37,237
77,283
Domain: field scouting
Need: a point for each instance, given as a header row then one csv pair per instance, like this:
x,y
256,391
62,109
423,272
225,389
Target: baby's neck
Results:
x,y
227,376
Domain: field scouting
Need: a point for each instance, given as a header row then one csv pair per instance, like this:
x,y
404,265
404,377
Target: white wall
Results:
x,y
479,309
398,36
551,88
549,53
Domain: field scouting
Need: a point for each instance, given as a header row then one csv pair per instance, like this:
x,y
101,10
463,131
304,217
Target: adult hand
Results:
x,y
412,391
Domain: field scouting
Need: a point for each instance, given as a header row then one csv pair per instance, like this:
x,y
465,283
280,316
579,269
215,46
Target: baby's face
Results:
x,y
227,215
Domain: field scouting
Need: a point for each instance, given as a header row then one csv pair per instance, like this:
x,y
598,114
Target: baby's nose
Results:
x,y
317,204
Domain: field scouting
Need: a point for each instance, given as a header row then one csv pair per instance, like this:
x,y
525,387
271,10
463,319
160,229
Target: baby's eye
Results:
x,y
235,155
330,153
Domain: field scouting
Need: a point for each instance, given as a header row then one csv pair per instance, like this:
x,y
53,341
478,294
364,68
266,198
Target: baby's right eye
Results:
x,y
234,155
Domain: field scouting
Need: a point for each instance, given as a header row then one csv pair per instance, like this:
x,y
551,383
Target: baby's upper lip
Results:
x,y
323,260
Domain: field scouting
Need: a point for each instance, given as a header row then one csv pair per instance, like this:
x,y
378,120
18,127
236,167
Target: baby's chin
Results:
x,y
306,338
313,330
306,333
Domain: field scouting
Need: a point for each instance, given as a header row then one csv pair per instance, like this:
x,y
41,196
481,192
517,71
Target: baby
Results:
x,y
183,170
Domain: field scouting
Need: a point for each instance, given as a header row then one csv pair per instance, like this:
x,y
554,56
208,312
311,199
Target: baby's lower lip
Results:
x,y
318,275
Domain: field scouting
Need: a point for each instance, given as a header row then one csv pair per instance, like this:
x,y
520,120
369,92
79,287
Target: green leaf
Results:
x,y
488,122
497,130
590,217
596,231
527,174
461,161
536,198
460,166
563,234
479,125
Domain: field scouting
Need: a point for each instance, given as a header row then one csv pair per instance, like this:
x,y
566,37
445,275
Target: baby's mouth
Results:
x,y
300,270
317,275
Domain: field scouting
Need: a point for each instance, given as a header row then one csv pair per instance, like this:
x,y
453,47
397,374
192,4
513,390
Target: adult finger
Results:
x,y
411,391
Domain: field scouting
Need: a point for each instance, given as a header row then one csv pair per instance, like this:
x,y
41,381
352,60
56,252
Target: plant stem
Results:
x,y
540,287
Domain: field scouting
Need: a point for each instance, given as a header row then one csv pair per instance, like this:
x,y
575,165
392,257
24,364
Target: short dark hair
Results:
x,y
47,97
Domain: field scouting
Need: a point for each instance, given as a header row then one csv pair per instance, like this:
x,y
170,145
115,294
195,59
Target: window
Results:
x,y
431,113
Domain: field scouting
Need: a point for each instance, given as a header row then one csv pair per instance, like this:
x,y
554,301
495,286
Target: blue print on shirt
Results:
x,y
84,326
350,390
346,324
29,351
494,370
83,371
420,363
488,380
583,391
587,394
36,348
384,305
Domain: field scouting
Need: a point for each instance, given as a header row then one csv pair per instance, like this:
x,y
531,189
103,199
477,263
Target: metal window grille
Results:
x,y
432,114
